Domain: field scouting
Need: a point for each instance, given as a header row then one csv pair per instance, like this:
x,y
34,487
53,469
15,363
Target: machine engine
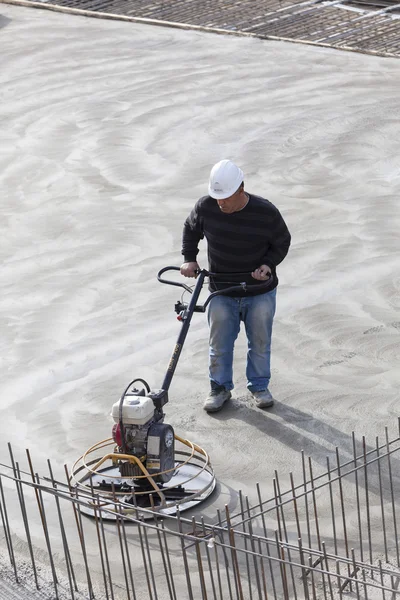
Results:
x,y
137,432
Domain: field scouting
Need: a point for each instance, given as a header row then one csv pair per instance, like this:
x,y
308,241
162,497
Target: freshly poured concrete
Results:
x,y
109,131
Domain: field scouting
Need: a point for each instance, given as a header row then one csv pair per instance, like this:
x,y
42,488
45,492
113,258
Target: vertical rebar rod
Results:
x,y
149,559
245,544
39,501
327,568
128,558
235,562
310,564
173,595
303,462
266,540
253,548
355,569
67,554
346,543
7,530
281,551
104,540
382,500
295,507
394,586
271,565
314,498
160,544
79,525
339,581
281,555
118,519
42,511
97,512
210,569
221,533
25,515
392,497
199,562
83,546
382,579
285,532
185,560
296,513
215,545
357,497
332,503
367,503
264,579
139,526
21,500
364,584
103,567
303,568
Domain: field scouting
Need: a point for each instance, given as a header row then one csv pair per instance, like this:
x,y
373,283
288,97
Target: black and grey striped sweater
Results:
x,y
239,242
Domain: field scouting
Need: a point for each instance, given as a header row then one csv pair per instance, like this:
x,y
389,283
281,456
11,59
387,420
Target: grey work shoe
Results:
x,y
263,399
216,399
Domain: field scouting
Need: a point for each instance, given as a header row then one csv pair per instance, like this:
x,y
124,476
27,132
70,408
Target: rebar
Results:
x,y
7,531
370,28
311,552
19,487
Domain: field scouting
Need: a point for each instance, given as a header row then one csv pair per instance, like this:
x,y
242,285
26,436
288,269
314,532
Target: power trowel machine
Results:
x,y
149,466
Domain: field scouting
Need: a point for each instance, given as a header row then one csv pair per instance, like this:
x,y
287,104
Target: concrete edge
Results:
x,y
185,26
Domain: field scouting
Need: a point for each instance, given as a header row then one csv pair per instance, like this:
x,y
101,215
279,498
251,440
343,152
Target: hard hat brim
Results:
x,y
227,193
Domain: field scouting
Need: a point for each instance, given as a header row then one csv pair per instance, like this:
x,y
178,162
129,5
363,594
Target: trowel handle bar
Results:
x,y
195,293
169,282
234,288
206,274
191,308
202,308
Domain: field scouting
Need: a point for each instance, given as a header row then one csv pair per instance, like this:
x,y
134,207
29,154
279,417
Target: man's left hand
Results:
x,y
262,273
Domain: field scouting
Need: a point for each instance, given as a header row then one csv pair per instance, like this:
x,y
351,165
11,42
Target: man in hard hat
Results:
x,y
245,234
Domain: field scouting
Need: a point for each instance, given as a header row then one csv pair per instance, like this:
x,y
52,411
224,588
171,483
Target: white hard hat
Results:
x,y
225,179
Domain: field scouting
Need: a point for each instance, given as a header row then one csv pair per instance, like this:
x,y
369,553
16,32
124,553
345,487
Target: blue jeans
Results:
x,y
224,316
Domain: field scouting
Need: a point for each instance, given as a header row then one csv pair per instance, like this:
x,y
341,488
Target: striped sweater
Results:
x,y
239,242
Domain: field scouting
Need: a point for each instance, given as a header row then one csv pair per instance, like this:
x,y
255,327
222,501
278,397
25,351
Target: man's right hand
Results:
x,y
189,269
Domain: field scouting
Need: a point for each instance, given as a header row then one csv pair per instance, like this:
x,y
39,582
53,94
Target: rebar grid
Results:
x,y
370,26
331,535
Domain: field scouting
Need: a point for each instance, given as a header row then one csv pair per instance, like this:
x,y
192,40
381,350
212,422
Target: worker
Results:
x,y
245,234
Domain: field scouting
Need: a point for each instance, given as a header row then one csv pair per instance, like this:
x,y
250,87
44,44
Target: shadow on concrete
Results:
x,y
323,442
4,21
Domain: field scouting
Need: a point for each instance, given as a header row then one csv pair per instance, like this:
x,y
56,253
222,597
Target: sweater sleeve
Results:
x,y
278,243
192,234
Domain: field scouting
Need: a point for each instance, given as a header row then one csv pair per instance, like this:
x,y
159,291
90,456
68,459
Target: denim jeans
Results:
x,y
224,316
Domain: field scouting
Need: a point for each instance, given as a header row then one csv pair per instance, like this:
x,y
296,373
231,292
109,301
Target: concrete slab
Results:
x,y
108,134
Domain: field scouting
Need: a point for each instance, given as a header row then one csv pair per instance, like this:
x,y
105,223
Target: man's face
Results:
x,y
232,203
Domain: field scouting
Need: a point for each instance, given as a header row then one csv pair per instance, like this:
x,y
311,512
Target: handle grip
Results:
x,y
169,282
206,273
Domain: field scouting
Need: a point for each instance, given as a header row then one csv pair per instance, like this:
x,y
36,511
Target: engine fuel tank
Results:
x,y
161,451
